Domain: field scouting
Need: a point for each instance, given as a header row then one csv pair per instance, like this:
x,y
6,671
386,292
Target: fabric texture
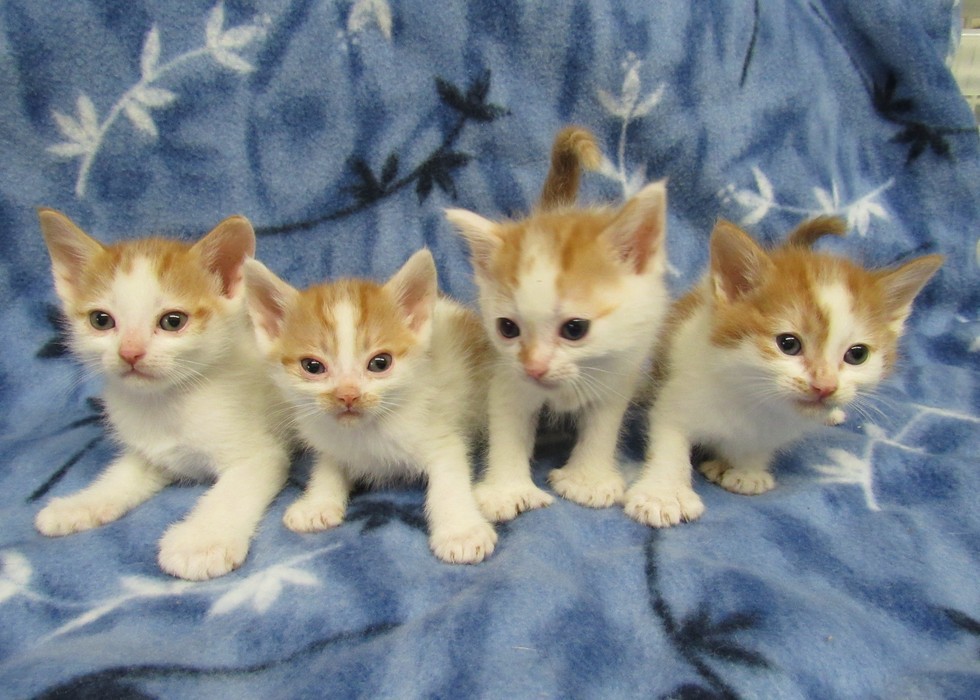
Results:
x,y
342,130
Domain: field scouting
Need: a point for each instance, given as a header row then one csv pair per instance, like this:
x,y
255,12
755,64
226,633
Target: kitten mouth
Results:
x,y
133,372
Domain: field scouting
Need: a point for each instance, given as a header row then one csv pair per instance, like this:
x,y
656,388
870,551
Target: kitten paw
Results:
x,y
191,552
500,503
748,482
64,516
467,546
588,489
835,417
663,507
310,516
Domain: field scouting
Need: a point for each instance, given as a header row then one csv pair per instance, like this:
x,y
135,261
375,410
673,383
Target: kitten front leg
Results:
x,y
125,483
663,495
459,534
324,502
214,539
507,489
747,475
591,477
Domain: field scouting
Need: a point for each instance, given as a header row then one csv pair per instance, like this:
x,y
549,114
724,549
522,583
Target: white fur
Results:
x,y
204,411
431,403
742,405
592,379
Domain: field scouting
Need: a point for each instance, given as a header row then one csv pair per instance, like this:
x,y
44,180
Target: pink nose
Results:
x,y
348,397
822,391
132,354
536,370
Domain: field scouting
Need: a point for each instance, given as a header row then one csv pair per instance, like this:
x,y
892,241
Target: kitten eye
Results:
x,y
857,354
574,329
379,363
789,344
173,320
101,321
311,365
507,328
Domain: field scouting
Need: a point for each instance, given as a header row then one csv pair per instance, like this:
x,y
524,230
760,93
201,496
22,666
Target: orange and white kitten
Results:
x,y
572,298
771,345
384,381
185,391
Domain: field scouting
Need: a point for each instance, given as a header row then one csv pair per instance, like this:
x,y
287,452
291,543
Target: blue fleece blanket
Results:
x,y
342,130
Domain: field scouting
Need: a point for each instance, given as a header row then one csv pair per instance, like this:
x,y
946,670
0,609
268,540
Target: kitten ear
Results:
x,y
224,250
480,233
70,249
638,231
415,288
902,284
738,264
267,298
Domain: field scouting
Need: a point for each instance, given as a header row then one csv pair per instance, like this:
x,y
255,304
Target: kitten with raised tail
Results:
x,y
770,345
385,381
186,396
572,297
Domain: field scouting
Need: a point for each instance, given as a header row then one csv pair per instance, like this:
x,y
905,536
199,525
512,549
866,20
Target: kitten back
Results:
x,y
574,148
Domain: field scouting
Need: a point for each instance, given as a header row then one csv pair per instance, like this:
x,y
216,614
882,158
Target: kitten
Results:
x,y
572,298
770,345
164,324
385,380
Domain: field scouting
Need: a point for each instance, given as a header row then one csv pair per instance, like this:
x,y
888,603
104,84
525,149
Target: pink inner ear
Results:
x,y
225,250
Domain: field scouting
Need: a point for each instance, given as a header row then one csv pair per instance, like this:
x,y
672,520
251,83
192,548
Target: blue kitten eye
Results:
x,y
574,329
379,363
173,320
857,354
311,365
789,344
507,328
101,321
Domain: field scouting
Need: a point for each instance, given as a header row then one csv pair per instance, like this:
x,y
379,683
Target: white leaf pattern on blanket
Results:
x,y
762,200
262,589
628,107
85,133
16,574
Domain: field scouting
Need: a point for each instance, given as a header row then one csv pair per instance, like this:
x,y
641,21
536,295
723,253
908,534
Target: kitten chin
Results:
x,y
572,298
771,345
163,323
385,381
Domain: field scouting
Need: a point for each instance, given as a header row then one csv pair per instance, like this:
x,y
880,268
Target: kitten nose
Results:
x,y
131,353
348,396
536,370
822,390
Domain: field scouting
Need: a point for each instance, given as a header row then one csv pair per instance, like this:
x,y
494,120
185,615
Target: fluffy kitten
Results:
x,y
770,345
572,298
185,392
384,380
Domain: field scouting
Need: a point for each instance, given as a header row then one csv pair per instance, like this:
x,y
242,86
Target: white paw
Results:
x,y
663,507
499,503
313,516
469,545
588,489
748,482
63,516
835,417
193,552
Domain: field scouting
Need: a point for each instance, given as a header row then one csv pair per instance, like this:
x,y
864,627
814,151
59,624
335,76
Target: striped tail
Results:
x,y
807,233
575,147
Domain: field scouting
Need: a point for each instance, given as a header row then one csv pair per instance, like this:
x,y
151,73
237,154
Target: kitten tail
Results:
x,y
807,233
574,148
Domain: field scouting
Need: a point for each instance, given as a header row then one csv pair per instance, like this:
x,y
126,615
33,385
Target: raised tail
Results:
x,y
574,148
807,233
